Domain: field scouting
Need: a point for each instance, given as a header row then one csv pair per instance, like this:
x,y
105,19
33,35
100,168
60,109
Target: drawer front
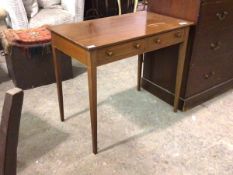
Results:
x,y
131,48
120,51
165,40
215,14
205,76
210,47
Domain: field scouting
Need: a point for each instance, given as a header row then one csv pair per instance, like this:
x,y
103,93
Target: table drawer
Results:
x,y
120,51
165,40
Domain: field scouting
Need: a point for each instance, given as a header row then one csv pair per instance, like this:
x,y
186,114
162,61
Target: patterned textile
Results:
x,y
28,36
48,3
51,17
31,7
17,13
75,7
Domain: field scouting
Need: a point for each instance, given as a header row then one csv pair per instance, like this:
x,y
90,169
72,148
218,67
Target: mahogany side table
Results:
x,y
98,42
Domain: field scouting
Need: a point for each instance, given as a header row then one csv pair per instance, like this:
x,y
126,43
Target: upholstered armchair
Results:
x,y
3,15
35,13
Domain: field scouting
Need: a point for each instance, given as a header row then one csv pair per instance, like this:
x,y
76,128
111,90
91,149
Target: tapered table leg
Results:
x,y
180,69
92,82
140,60
57,68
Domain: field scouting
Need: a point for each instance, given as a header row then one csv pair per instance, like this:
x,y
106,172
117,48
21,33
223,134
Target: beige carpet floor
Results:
x,y
138,133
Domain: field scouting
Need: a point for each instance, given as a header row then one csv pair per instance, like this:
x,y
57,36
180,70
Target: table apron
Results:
x,y
70,49
136,47
105,55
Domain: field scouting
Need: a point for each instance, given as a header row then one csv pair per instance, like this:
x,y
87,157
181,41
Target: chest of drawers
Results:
x,y
209,61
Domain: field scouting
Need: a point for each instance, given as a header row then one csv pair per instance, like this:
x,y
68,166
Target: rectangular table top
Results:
x,y
102,32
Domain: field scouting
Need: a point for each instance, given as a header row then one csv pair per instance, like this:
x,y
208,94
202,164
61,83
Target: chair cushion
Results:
x,y
31,7
51,17
27,36
48,3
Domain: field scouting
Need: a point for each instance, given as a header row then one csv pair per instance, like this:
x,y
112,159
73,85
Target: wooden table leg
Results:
x,y
140,60
180,69
92,83
57,68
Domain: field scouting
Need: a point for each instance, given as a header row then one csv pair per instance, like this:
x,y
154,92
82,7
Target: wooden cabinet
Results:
x,y
209,60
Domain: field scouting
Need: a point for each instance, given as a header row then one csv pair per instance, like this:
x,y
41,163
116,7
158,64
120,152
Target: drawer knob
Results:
x,y
178,34
222,16
109,53
215,46
208,75
137,46
157,40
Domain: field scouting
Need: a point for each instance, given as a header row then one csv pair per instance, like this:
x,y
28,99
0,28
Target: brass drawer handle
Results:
x,y
157,40
178,34
137,46
215,46
222,16
109,53
208,75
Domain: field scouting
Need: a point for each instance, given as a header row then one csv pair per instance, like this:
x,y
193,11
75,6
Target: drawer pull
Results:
x,y
109,53
222,16
157,41
178,34
137,46
207,76
215,46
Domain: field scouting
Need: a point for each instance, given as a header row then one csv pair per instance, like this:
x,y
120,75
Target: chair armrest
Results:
x,y
3,25
3,14
16,13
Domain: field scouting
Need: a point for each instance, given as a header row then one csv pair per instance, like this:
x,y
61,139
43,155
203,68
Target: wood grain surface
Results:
x,y
112,30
